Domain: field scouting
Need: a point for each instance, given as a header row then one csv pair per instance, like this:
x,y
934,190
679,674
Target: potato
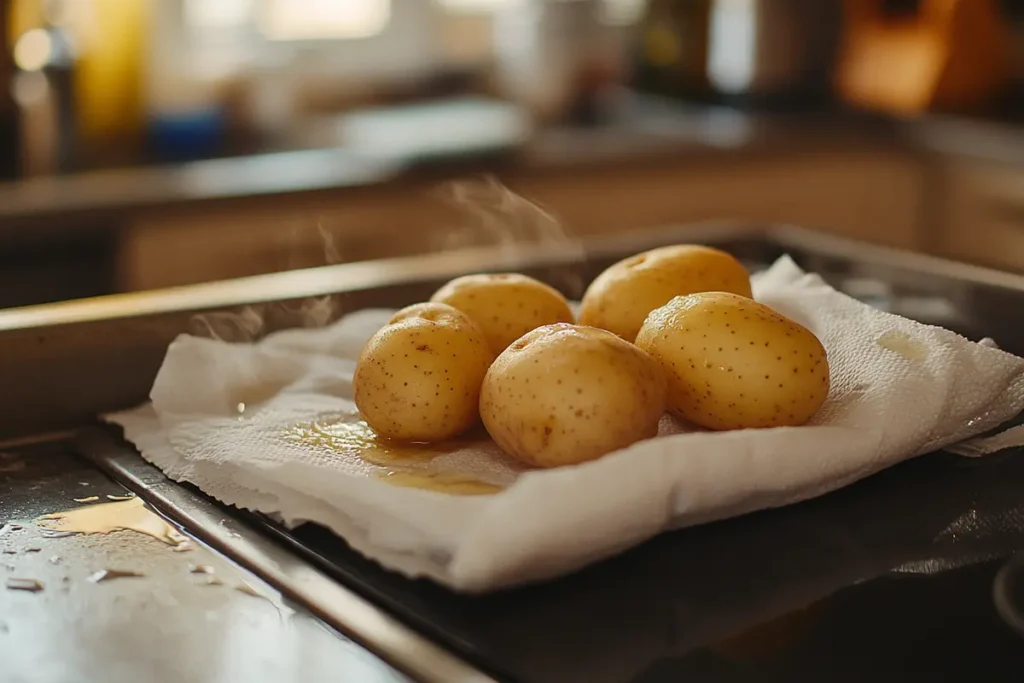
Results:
x,y
505,305
564,394
621,297
732,363
418,378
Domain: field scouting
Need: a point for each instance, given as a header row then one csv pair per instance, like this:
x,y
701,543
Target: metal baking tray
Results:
x,y
866,566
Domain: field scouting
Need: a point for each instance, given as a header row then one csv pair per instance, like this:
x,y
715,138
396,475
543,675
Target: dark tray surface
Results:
x,y
893,574
881,577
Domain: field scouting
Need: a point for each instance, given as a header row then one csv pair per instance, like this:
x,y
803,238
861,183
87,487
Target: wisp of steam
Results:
x,y
500,217
495,216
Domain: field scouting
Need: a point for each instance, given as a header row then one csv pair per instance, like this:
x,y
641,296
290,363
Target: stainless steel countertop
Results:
x,y
165,627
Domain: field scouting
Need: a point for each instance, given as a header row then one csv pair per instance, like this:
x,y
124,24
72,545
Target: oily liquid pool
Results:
x,y
128,515
404,463
904,345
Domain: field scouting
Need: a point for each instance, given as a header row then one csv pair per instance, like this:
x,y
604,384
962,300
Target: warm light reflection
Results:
x,y
218,14
33,50
322,19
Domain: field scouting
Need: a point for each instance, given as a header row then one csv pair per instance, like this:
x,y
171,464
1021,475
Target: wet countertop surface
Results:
x,y
190,615
894,578
644,133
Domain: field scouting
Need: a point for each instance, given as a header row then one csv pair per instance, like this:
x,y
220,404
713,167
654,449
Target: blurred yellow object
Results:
x,y
952,54
25,15
110,78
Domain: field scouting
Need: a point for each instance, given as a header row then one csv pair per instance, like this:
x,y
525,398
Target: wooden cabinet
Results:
x,y
868,195
982,216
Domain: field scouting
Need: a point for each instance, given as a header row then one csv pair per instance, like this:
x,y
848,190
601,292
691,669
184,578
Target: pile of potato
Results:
x,y
671,329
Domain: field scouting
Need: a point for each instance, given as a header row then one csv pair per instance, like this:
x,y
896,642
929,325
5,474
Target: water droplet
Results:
x,y
28,585
111,574
249,590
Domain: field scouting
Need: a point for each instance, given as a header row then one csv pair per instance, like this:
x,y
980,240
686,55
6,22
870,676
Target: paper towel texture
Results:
x,y
224,417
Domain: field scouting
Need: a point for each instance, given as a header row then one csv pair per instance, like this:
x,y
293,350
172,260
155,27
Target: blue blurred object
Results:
x,y
187,135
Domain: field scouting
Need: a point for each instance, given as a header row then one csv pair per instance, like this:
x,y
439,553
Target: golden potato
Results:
x,y
564,394
621,297
505,305
732,363
418,378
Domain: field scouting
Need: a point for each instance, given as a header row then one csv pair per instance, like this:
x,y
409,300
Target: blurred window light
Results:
x,y
471,6
33,50
733,44
614,12
218,14
622,12
323,19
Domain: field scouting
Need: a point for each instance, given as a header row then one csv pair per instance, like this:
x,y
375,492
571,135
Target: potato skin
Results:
x,y
733,363
621,297
505,305
418,378
565,394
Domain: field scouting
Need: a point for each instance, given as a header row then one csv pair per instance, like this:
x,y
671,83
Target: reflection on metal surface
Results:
x,y
348,612
129,515
904,345
404,461
28,585
1008,593
111,574
120,498
772,636
167,627
89,499
248,590
46,533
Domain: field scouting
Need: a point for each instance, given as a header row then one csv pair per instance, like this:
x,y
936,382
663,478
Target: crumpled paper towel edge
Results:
x,y
787,274
262,498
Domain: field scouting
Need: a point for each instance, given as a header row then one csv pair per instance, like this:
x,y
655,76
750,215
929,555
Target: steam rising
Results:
x,y
495,215
501,218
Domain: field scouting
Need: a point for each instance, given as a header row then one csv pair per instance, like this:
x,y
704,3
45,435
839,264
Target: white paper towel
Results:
x,y
899,389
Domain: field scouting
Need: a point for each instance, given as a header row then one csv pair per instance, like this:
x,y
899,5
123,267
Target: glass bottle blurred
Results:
x,y
748,53
670,52
113,37
10,128
43,85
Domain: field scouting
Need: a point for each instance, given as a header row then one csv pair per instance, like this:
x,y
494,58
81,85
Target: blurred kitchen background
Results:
x,y
152,143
